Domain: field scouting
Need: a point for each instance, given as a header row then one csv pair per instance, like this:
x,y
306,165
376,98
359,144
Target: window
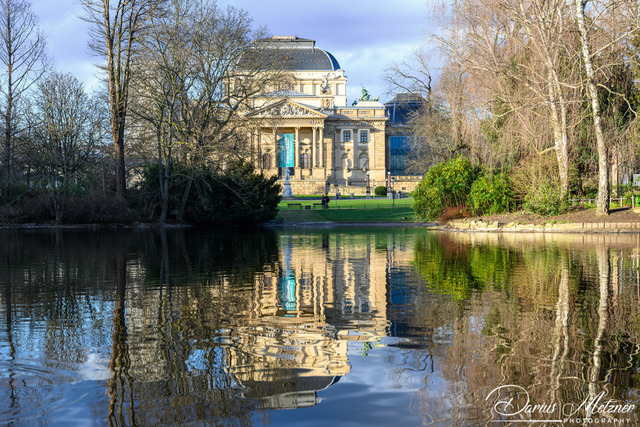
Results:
x,y
364,136
399,148
266,161
347,136
305,161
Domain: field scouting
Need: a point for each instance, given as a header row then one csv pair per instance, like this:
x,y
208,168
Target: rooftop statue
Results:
x,y
365,96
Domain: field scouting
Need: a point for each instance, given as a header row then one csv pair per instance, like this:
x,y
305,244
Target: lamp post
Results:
x,y
393,193
368,186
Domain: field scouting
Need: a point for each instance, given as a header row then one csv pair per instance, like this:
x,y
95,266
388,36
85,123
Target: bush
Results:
x,y
93,208
445,185
34,208
491,194
97,208
545,200
380,190
237,196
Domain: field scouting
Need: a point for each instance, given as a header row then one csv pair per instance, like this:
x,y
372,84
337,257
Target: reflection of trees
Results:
x,y
120,385
559,323
192,326
457,269
54,297
8,307
148,305
604,277
196,283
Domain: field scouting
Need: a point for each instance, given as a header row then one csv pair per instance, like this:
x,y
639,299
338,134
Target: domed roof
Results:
x,y
302,54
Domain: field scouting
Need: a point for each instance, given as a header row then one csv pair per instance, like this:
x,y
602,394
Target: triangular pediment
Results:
x,y
288,109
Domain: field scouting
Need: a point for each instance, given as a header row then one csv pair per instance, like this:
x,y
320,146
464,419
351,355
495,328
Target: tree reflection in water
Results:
x,y
185,326
568,352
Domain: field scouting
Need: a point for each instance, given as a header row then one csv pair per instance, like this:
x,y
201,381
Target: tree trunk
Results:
x,y
121,182
559,123
8,133
185,196
164,171
602,206
117,132
558,107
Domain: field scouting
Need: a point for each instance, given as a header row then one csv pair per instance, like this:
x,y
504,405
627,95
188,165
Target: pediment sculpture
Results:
x,y
285,109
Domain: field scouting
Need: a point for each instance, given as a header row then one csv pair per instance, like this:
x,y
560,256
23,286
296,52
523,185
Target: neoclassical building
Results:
x,y
309,128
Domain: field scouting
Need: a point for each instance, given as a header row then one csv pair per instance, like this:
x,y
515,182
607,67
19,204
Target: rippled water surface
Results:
x,y
317,327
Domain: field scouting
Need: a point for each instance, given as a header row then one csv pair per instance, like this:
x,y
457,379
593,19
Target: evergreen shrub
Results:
x,y
491,194
380,190
545,199
445,185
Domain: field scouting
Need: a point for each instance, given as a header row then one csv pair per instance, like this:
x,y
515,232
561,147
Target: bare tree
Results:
x,y
602,207
117,28
616,25
522,53
66,130
413,75
201,67
439,128
24,59
165,73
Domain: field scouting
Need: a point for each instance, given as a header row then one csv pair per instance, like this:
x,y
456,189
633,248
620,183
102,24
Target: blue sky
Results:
x,y
365,36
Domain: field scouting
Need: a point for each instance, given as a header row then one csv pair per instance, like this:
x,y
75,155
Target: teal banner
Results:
x,y
285,142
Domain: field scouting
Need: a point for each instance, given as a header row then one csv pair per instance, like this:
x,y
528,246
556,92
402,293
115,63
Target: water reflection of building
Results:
x,y
294,339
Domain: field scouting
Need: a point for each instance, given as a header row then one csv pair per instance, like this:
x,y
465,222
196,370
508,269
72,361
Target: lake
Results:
x,y
342,326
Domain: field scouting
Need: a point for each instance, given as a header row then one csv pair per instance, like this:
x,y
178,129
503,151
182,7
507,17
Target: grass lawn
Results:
x,y
348,210
347,204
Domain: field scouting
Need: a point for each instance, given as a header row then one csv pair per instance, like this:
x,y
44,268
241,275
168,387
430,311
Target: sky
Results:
x,y
365,36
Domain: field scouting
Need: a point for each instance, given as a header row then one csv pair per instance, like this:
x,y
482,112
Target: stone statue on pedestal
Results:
x,y
286,191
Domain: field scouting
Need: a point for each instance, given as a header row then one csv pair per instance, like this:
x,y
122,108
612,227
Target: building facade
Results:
x,y
309,129
399,139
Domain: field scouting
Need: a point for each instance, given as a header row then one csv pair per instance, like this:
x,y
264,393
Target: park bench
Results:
x,y
291,205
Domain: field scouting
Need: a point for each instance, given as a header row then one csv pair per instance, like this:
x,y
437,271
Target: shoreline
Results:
x,y
464,225
554,227
113,226
328,224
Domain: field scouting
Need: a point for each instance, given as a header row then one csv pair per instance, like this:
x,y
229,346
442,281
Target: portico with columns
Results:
x,y
322,148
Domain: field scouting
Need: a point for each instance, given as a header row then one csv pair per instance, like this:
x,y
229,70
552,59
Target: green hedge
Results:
x,y
445,185
491,194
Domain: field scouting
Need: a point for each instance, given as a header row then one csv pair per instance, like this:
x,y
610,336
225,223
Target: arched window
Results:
x,y
266,161
305,161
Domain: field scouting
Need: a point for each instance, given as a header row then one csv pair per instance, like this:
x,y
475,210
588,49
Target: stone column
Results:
x,y
314,161
371,149
336,145
254,149
323,153
276,151
356,154
259,136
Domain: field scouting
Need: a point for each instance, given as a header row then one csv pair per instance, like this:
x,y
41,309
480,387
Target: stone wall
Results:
x,y
406,183
305,187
